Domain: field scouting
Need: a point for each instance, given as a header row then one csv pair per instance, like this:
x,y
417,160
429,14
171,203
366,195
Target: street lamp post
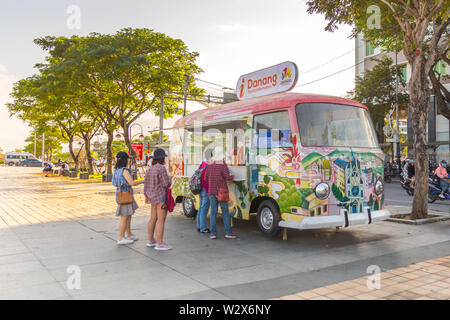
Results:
x,y
397,132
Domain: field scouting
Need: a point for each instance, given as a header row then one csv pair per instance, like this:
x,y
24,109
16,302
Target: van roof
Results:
x,y
19,153
260,104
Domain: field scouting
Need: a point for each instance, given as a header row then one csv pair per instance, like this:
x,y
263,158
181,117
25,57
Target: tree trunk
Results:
x,y
87,148
419,107
72,154
109,155
132,162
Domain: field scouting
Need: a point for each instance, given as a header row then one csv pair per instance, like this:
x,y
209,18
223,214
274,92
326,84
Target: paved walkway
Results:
x,y
427,280
27,197
50,225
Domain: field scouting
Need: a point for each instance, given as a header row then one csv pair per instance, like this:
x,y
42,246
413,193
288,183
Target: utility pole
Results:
x,y
186,79
35,144
161,113
43,145
397,132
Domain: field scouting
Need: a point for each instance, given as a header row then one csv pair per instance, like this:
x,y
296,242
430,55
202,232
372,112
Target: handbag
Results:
x,y
223,195
124,197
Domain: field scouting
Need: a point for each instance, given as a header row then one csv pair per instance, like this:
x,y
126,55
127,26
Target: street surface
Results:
x,y
52,226
396,195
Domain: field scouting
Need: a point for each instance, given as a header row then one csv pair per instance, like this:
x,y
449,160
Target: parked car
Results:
x,y
32,163
15,158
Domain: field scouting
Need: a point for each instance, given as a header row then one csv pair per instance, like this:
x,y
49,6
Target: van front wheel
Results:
x,y
188,207
268,218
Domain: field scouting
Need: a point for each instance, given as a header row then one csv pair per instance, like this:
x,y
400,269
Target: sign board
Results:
x,y
139,149
279,78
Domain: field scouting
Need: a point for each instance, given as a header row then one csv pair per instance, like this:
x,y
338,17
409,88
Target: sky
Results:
x,y
233,37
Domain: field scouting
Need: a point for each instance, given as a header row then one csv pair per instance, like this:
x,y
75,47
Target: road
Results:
x,y
396,195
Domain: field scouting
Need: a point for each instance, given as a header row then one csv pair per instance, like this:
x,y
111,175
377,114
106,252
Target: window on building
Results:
x,y
370,49
403,73
440,67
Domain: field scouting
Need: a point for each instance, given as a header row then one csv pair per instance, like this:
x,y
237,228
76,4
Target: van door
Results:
x,y
271,144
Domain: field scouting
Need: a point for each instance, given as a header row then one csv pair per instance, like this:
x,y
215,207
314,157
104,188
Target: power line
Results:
x,y
328,62
215,84
330,75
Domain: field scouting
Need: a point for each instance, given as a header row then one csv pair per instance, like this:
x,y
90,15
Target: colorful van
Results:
x,y
300,161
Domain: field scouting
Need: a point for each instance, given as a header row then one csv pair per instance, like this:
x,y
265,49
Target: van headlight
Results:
x,y
322,190
379,187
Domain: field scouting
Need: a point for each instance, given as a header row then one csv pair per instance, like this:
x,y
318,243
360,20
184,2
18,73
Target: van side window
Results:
x,y
272,130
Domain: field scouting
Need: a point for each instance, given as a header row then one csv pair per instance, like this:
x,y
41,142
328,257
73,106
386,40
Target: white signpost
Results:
x,y
279,78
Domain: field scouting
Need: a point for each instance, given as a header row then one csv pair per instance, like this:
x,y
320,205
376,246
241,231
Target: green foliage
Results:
x,y
377,89
53,141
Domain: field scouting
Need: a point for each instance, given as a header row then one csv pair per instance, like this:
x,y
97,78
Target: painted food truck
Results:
x,y
299,161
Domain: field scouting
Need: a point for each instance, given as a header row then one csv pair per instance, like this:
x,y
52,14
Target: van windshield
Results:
x,y
335,125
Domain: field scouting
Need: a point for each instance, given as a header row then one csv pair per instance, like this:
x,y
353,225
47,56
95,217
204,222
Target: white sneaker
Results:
x,y
151,243
124,241
132,237
164,246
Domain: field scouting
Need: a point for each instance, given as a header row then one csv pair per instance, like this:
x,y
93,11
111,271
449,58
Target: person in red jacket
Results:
x,y
442,174
217,175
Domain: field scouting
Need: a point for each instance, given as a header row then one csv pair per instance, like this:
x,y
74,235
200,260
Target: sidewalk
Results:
x,y
50,225
427,280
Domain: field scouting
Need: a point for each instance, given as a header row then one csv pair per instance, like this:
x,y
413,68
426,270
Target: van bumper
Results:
x,y
344,219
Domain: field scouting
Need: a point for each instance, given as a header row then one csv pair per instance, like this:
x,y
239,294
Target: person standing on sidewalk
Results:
x,y
204,197
122,176
217,175
156,184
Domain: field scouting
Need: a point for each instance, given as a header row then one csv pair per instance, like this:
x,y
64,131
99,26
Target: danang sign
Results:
x,y
279,78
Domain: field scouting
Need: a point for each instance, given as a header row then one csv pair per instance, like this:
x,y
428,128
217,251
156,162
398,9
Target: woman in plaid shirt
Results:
x,y
155,188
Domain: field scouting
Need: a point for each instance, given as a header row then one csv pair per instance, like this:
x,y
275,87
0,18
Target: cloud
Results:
x,y
2,68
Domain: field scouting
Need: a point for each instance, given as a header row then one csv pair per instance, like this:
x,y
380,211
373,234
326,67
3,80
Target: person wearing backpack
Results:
x,y
204,198
217,174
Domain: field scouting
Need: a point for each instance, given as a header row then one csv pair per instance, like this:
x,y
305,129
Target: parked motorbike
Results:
x,y
434,190
405,182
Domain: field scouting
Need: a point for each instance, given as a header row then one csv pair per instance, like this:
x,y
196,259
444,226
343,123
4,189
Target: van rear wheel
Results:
x,y
189,207
268,218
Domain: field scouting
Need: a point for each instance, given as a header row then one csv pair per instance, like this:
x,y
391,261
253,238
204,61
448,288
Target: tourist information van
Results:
x,y
300,161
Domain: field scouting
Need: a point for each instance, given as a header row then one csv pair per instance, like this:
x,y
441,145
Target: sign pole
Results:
x,y
161,113
186,79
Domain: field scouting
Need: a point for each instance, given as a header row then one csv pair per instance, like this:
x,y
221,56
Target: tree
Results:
x,y
421,30
40,100
124,75
377,90
53,140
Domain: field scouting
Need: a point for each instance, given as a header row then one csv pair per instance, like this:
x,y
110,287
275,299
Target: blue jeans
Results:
x,y
226,216
443,184
202,210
